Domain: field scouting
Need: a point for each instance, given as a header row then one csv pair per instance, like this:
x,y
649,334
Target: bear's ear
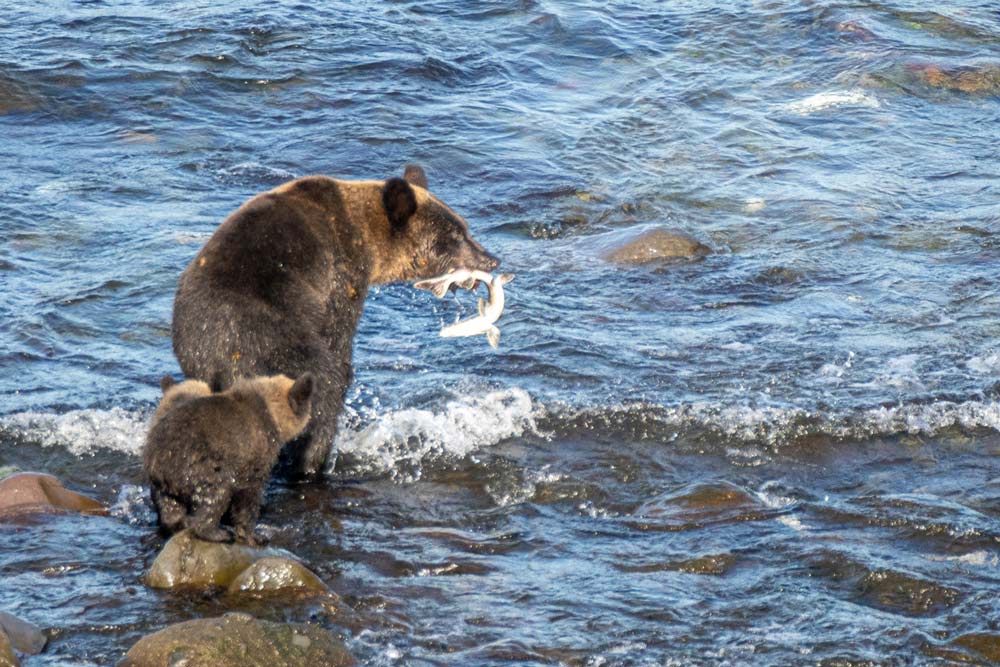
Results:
x,y
400,203
166,382
415,175
300,393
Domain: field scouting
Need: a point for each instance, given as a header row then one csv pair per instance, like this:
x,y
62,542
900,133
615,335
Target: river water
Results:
x,y
784,453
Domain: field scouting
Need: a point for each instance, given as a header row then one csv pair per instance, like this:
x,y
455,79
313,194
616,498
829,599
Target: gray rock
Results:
x,y
238,640
657,245
23,636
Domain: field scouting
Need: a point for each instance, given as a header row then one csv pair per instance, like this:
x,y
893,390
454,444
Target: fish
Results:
x,y
463,278
489,311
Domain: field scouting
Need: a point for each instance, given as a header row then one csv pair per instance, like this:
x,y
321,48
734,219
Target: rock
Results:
x,y
238,640
29,492
983,643
657,245
980,80
278,575
188,562
23,636
7,658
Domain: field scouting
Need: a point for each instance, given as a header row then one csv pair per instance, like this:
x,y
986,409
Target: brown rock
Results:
x,y
30,492
23,636
658,245
278,575
983,643
238,640
7,658
187,562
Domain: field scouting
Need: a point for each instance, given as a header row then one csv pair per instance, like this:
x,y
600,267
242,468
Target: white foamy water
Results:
x,y
457,428
82,432
832,100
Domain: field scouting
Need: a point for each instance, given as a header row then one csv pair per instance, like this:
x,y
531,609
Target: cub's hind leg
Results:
x,y
170,511
208,508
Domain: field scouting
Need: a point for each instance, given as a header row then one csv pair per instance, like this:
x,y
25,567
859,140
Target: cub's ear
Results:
x,y
300,393
166,382
415,175
400,203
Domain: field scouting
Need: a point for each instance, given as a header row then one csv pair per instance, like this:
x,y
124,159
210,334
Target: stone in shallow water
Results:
x,y
187,562
658,245
278,575
31,492
238,640
23,636
7,658
983,643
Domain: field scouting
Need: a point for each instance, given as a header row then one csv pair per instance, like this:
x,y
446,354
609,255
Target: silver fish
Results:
x,y
489,312
463,278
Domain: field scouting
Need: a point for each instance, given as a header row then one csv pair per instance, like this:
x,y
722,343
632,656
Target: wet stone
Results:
x,y
657,245
32,492
238,640
7,658
700,504
187,562
714,564
278,575
23,636
985,644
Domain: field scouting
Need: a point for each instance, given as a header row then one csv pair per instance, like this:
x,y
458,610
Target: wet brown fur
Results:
x,y
209,456
280,286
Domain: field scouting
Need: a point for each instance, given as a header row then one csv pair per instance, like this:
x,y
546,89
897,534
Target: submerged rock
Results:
x,y
715,564
657,245
278,575
7,658
31,492
238,640
984,643
973,80
23,636
188,562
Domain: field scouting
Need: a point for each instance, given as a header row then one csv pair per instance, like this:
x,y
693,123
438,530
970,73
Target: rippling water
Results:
x,y
782,453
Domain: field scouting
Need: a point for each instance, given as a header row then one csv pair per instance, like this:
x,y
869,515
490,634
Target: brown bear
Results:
x,y
175,393
209,456
280,285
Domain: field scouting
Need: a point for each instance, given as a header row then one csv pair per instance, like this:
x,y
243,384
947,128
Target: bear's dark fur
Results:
x,y
210,455
280,286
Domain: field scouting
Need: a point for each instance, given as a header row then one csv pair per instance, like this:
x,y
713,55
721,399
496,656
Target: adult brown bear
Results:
x,y
280,285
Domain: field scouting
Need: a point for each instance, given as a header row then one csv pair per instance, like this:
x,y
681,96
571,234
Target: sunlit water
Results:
x,y
783,453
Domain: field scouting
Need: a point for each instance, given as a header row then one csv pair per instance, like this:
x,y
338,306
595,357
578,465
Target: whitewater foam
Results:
x,y
82,432
833,99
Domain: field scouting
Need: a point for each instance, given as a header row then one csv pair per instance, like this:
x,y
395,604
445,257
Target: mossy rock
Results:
x,y
187,562
273,575
238,640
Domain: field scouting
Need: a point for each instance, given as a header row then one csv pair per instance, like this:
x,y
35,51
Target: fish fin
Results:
x,y
436,287
505,278
482,307
493,336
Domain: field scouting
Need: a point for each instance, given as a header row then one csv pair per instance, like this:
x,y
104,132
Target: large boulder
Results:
x,y
657,245
187,562
238,640
274,575
30,492
7,657
23,636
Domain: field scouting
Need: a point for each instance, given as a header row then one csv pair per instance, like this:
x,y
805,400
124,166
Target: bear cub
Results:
x,y
208,456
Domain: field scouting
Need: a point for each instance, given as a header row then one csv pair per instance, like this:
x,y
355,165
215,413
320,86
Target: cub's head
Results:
x,y
175,393
288,401
426,237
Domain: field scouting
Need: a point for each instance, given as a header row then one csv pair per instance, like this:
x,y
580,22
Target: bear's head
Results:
x,y
426,237
175,393
288,401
